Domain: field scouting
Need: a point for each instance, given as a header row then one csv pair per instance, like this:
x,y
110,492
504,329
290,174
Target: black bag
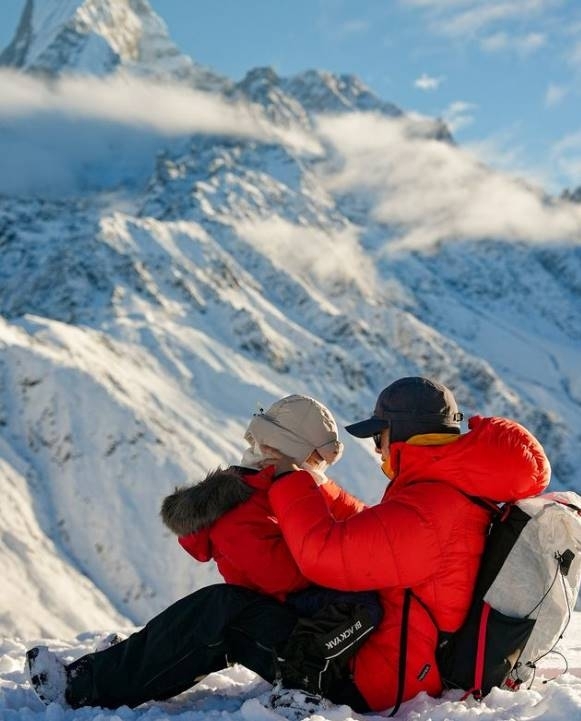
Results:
x,y
333,625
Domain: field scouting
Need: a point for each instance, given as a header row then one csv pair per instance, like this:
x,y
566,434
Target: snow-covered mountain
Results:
x,y
573,195
275,235
99,37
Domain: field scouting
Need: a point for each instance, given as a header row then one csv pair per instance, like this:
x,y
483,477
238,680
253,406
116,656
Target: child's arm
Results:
x,y
256,553
340,502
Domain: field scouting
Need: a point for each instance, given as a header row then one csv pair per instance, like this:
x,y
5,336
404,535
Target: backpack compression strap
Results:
x,y
476,689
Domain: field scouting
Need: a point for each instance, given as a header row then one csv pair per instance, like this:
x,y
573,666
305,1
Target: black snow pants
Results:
x,y
203,632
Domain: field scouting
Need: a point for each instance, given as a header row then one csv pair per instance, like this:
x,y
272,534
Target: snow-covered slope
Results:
x,y
150,300
237,694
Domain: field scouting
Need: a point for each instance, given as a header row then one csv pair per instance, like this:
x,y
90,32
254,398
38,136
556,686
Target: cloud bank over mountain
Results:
x,y
55,131
460,197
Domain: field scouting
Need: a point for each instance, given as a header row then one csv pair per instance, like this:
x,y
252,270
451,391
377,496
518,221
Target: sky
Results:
x,y
505,74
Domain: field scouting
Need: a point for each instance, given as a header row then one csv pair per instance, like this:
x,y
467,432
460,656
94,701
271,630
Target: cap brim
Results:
x,y
367,428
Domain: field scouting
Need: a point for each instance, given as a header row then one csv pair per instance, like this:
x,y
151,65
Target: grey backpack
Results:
x,y
526,591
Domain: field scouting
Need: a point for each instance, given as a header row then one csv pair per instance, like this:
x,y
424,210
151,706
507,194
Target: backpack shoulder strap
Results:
x,y
485,503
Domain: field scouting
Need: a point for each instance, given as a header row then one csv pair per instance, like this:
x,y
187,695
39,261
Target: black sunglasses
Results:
x,y
377,439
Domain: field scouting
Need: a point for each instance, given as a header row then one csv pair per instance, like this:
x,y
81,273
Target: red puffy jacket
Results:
x,y
425,535
227,517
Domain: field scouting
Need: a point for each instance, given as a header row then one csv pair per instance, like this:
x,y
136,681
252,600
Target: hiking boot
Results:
x,y
296,704
47,675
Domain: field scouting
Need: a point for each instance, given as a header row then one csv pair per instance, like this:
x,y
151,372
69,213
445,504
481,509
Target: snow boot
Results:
x,y
296,704
47,675
111,639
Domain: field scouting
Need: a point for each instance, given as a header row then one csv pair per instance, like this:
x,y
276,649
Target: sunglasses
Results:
x,y
377,439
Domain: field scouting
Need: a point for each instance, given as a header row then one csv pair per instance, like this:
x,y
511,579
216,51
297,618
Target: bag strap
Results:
x,y
403,648
483,503
476,689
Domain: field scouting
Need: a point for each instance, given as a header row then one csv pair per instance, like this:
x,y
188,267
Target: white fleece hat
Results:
x,y
296,426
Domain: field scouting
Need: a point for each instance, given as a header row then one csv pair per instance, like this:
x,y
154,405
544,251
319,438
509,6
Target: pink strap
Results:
x,y
476,690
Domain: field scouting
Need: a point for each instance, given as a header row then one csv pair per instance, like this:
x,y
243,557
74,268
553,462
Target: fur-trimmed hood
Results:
x,y
192,508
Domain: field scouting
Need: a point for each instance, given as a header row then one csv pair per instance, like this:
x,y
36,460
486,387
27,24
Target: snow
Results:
x,y
48,17
237,694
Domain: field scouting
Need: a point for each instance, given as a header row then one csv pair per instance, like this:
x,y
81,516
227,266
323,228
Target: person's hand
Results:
x,y
283,465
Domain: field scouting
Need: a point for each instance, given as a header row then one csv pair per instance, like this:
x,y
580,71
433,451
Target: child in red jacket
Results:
x,y
227,516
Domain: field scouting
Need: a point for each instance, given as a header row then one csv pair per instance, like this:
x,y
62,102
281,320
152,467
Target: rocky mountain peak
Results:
x,y
99,37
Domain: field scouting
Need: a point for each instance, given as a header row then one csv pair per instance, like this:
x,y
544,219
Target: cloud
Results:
x,y
505,151
494,43
566,155
427,82
555,95
316,253
110,130
429,191
459,115
352,27
471,20
530,43
332,22
466,18
521,44
575,54
163,108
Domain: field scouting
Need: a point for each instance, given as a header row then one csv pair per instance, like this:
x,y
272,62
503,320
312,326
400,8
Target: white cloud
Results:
x,y
566,154
575,54
471,20
521,44
495,42
428,82
504,151
555,95
458,115
318,254
530,43
166,109
465,18
110,130
353,27
432,191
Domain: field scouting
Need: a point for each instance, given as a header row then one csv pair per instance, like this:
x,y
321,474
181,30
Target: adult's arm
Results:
x,y
390,544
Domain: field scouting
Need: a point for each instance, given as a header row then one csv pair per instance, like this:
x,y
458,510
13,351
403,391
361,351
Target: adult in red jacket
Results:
x,y
421,545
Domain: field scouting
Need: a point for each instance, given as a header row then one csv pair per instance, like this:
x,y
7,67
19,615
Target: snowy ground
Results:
x,y
239,695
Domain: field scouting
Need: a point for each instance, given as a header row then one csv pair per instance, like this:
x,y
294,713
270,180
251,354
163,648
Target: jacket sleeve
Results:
x,y
392,544
340,503
197,545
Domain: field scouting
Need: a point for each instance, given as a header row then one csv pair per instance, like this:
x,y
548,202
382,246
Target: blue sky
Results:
x,y
504,73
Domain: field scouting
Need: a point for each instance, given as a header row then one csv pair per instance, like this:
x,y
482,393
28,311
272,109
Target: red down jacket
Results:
x,y
424,535
227,517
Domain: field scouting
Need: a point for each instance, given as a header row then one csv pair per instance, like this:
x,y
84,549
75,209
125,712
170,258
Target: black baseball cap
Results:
x,y
411,406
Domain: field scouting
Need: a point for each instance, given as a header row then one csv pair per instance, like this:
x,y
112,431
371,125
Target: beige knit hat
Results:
x,y
296,426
